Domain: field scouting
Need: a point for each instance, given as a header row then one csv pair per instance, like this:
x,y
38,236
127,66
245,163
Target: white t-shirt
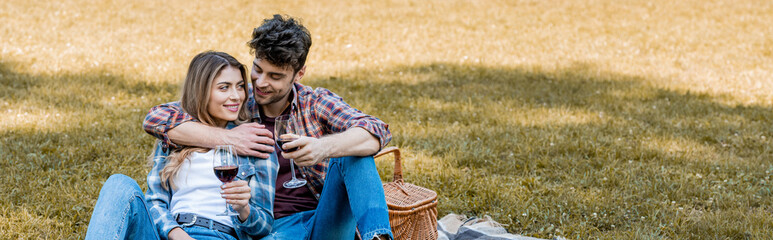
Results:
x,y
198,189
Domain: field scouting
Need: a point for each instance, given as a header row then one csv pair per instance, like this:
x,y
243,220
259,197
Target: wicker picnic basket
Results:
x,y
412,209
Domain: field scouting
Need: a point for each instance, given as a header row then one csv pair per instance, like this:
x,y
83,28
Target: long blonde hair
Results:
x,y
204,68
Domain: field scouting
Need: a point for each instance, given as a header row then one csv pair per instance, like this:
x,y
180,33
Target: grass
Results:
x,y
584,119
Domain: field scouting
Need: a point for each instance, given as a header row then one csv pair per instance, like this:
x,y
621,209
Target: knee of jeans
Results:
x,y
121,183
352,160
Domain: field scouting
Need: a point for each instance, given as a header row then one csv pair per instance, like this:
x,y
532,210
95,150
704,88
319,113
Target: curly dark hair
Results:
x,y
282,41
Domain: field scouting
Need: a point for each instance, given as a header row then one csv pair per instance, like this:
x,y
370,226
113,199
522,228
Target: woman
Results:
x,y
184,196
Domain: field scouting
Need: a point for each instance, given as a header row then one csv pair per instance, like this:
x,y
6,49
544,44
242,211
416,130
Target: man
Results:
x,y
334,151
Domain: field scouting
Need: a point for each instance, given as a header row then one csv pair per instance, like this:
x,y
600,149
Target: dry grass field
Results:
x,y
595,119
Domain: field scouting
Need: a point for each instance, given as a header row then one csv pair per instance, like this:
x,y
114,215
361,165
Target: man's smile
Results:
x,y
261,93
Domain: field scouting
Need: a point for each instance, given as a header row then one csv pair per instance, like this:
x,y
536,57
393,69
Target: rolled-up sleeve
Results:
x,y
162,118
336,115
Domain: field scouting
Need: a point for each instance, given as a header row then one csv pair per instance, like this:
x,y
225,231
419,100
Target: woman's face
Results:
x,y
226,96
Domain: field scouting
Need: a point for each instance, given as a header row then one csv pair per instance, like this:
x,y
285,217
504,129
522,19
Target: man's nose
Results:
x,y
258,80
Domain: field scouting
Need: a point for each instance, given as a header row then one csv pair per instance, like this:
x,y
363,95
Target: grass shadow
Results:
x,y
62,136
574,152
554,149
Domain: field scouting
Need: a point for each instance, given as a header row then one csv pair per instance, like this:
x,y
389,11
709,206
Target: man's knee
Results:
x,y
352,160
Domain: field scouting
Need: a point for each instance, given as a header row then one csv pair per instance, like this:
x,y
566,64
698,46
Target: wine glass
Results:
x,y
226,165
283,132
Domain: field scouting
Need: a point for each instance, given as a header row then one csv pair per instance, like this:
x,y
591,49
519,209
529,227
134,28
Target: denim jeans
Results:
x,y
352,197
121,213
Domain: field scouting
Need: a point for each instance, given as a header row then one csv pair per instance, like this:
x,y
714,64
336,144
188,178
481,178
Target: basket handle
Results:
x,y
398,166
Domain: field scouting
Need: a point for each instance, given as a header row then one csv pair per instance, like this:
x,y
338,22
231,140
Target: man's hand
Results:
x,y
237,193
250,139
310,151
352,142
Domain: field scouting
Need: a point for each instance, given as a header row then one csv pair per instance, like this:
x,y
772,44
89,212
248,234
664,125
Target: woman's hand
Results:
x,y
237,193
179,234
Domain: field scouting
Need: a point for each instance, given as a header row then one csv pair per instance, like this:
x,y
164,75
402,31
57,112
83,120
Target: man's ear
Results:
x,y
299,75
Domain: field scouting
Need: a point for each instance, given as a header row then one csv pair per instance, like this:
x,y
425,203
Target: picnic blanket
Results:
x,y
460,227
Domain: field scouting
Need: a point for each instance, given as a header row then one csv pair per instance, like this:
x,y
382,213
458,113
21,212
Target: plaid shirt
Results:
x,y
260,175
316,111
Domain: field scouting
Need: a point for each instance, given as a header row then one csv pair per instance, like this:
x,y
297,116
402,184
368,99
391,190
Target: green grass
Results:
x,y
583,119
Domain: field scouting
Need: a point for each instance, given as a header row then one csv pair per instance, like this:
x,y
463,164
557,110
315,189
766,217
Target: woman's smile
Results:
x,y
232,107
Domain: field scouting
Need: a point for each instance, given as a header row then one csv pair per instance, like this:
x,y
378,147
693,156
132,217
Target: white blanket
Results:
x,y
460,227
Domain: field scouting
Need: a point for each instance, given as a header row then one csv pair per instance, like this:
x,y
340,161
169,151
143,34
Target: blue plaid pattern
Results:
x,y
260,175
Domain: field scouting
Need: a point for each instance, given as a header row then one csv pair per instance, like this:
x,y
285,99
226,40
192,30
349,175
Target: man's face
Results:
x,y
272,84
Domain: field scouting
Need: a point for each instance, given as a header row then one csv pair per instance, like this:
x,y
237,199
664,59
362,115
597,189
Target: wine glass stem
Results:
x,y
292,168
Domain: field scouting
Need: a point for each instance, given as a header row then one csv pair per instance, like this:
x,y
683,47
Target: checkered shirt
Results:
x,y
318,111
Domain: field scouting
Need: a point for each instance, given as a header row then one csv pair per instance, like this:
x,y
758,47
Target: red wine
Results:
x,y
285,138
226,173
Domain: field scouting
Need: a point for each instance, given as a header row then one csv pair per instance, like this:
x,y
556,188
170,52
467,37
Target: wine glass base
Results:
x,y
294,183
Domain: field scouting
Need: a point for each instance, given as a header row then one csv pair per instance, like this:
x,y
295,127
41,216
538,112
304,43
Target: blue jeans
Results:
x,y
121,213
352,197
